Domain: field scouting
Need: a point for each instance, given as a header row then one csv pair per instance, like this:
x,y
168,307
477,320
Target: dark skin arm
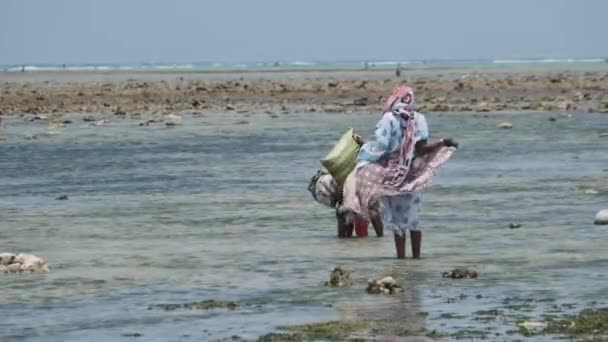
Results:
x,y
423,147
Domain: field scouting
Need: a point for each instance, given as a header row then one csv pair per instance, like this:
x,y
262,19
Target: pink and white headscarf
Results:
x,y
401,104
402,99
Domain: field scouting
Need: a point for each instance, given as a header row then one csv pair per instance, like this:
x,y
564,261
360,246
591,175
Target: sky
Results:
x,y
182,31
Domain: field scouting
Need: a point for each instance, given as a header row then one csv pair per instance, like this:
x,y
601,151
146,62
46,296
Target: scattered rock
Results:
x,y
119,111
386,285
11,263
66,122
514,225
339,278
88,119
173,120
505,125
601,217
230,107
41,117
132,335
362,101
202,305
62,198
552,119
333,109
243,122
55,125
147,122
460,273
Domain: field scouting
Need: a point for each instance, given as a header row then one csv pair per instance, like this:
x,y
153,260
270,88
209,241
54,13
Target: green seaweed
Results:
x,y
280,337
346,331
450,315
202,305
470,334
520,307
329,331
587,322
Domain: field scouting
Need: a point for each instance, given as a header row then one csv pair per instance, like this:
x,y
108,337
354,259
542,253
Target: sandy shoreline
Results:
x,y
148,94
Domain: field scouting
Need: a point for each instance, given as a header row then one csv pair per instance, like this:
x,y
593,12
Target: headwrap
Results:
x,y
401,98
401,104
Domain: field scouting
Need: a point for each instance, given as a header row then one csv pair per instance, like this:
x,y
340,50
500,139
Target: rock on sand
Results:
x,y
11,263
505,125
601,217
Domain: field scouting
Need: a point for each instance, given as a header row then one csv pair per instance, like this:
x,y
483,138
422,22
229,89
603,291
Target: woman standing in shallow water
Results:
x,y
392,170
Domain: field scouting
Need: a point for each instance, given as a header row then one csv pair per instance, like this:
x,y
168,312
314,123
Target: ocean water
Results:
x,y
313,65
214,209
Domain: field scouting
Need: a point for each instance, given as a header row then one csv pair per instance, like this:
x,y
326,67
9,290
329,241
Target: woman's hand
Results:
x,y
449,142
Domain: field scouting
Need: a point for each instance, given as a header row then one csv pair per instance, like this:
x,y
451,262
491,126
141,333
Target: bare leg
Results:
x,y
344,228
416,236
350,227
378,227
374,217
400,245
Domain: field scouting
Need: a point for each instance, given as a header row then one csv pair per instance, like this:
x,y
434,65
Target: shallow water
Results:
x,y
218,210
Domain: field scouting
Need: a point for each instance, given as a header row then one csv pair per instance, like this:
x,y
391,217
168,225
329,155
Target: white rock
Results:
x,y
602,217
13,268
56,125
173,119
591,192
505,125
7,258
388,281
532,325
31,263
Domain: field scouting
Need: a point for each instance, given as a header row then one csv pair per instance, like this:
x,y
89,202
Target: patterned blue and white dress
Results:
x,y
400,212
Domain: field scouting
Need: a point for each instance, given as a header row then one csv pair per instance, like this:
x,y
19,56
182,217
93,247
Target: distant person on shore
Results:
x,y
398,71
392,171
